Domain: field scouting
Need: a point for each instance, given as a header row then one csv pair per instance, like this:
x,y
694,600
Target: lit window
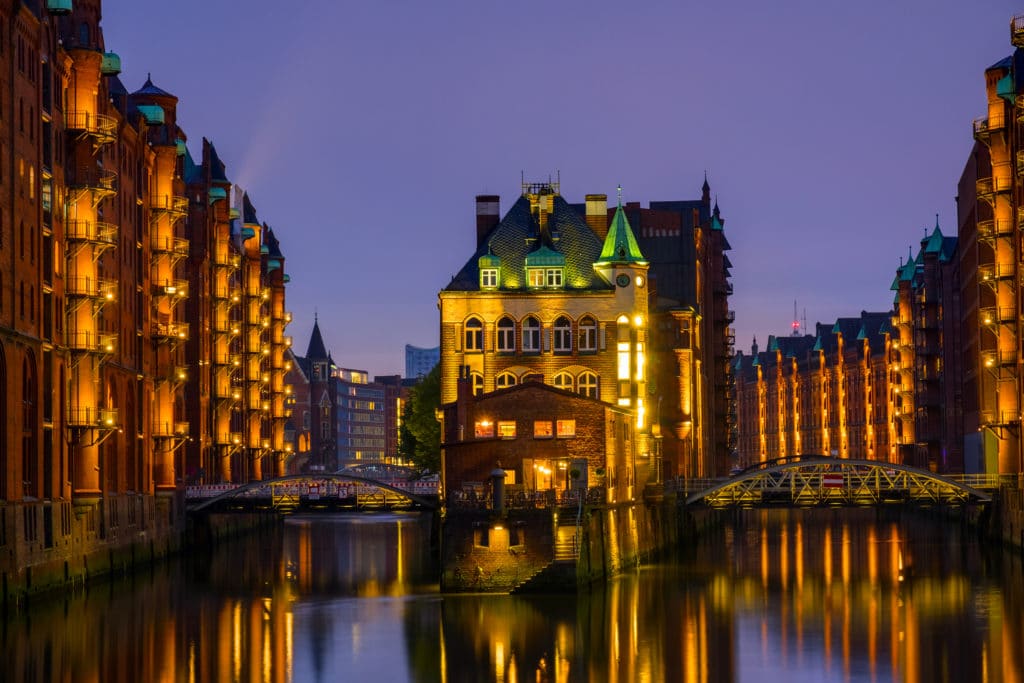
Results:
x,y
535,277
563,335
588,334
507,429
477,382
483,429
489,278
506,335
474,335
542,429
623,351
505,379
566,428
553,277
531,335
563,380
587,385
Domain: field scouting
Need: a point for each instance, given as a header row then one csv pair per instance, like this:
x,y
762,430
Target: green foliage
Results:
x,y
421,432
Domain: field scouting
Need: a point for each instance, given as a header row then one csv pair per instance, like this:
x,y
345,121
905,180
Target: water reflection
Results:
x,y
773,596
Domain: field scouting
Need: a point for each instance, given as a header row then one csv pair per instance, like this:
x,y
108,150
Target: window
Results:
x,y
563,335
477,382
531,335
566,428
506,335
474,335
489,278
325,430
588,334
483,429
542,429
505,379
563,380
587,385
535,277
553,277
507,429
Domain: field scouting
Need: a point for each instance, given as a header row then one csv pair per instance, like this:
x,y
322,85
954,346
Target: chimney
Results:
x,y
487,216
597,214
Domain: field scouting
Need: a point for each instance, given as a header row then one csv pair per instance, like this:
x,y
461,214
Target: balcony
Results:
x,y
225,325
168,205
988,229
170,331
995,315
225,389
1017,30
100,182
172,288
992,273
92,342
227,259
91,288
101,128
170,430
176,246
228,439
105,418
93,232
996,359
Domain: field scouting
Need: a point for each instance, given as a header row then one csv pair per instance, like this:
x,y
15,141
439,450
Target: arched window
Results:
x,y
563,380
477,382
588,334
587,385
506,379
506,335
474,335
531,335
563,335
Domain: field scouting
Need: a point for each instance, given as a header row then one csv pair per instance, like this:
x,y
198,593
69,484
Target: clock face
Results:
x,y
622,280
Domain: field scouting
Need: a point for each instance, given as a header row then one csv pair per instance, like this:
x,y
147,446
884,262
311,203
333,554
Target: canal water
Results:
x,y
792,596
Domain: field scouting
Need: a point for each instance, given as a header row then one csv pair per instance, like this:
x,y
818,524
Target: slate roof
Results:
x,y
218,172
273,245
316,349
248,211
149,89
518,234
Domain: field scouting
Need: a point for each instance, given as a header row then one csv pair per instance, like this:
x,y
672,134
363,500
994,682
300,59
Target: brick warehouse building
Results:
x,y
543,294
141,315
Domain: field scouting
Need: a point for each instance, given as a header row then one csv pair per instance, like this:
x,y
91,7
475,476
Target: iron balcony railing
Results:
x,y
96,232
101,127
91,287
92,342
170,330
169,204
91,416
168,244
164,429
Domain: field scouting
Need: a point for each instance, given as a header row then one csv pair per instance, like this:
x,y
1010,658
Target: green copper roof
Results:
x,y
217,193
544,256
907,271
1005,89
111,64
620,245
934,244
489,261
154,114
58,6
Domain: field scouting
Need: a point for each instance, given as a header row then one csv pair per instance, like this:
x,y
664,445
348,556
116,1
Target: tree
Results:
x,y
421,432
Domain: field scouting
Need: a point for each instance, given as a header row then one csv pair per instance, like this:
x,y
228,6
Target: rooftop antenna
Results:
x,y
620,194
805,320
796,321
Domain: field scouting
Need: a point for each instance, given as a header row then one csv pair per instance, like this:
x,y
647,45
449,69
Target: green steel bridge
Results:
x,y
819,481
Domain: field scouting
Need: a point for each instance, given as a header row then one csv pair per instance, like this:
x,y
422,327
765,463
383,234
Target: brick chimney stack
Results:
x,y
597,214
487,216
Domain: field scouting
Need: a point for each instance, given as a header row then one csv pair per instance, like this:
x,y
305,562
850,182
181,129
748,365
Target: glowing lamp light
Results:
x,y
638,320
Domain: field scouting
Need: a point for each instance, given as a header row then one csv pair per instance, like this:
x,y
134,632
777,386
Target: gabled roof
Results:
x,y
518,234
248,211
273,245
217,170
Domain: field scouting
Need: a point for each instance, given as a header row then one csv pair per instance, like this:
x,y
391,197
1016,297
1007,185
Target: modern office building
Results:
x,y
419,361
116,251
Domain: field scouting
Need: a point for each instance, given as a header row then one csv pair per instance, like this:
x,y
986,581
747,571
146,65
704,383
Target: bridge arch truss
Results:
x,y
816,481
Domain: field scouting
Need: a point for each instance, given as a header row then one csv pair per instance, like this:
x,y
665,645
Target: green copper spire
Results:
x,y
620,245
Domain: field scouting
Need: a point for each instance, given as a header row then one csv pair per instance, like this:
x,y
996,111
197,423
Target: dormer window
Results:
x,y
545,277
489,278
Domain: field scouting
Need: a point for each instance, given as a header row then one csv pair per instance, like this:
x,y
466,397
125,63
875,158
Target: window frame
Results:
x,y
587,334
531,335
562,376
476,382
562,335
473,335
584,389
498,384
488,278
505,341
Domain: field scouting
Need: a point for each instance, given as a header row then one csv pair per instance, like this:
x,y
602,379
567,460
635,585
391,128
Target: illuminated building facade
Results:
x,y
821,394
990,218
114,247
925,366
546,296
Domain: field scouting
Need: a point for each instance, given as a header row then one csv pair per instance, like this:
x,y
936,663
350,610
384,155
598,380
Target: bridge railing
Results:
x,y
986,482
529,500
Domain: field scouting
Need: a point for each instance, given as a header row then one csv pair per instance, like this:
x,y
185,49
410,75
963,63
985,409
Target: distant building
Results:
x,y
821,394
419,362
361,423
396,393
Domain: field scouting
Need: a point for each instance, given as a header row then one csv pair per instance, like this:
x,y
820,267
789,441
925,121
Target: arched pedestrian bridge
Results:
x,y
816,481
356,488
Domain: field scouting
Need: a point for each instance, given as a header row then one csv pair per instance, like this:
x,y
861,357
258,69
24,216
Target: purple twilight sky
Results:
x,y
832,133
